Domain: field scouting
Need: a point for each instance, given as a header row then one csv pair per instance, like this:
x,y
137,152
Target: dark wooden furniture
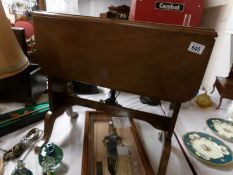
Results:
x,y
28,85
25,87
41,4
224,87
141,58
21,38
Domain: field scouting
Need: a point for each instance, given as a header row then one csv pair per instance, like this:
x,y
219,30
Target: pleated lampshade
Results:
x,y
12,58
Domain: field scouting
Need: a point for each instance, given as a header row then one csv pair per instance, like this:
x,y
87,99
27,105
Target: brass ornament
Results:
x,y
204,100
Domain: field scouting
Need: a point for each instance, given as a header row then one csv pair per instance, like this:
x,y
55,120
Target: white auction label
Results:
x,y
196,48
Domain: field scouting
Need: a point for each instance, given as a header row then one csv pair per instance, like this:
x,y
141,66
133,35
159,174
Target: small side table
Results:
x,y
224,87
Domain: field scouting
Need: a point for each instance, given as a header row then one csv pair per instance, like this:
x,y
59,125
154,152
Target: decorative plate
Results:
x,y
207,148
221,127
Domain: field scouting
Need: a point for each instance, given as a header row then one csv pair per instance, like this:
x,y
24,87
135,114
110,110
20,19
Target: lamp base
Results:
x,y
112,99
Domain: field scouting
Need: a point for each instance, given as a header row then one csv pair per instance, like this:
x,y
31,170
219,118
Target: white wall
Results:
x,y
83,7
63,6
218,18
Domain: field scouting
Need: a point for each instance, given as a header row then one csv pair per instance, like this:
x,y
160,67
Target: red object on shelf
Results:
x,y
167,11
27,25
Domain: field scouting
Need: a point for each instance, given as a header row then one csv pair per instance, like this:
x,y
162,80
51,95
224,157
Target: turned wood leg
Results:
x,y
48,127
70,112
213,88
165,154
220,102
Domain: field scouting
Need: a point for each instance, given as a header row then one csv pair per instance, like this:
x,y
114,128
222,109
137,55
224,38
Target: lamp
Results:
x,y
12,58
20,81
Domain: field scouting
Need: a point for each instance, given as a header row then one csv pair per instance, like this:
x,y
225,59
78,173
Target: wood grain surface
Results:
x,y
141,58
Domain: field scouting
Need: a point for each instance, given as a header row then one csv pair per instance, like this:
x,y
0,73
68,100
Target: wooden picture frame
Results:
x,y
94,150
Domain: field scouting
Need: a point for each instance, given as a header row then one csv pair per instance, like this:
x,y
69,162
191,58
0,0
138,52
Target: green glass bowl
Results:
x,y
50,157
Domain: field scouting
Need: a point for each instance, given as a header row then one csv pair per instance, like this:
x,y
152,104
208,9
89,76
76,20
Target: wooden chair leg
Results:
x,y
165,154
220,102
213,88
48,127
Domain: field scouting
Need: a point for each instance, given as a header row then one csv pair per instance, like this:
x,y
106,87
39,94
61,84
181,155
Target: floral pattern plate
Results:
x,y
221,127
207,148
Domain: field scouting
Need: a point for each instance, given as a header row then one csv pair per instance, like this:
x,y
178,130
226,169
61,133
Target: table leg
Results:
x,y
165,154
220,102
213,88
48,127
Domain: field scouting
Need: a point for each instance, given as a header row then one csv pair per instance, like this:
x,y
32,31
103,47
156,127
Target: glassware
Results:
x,y
50,158
20,169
